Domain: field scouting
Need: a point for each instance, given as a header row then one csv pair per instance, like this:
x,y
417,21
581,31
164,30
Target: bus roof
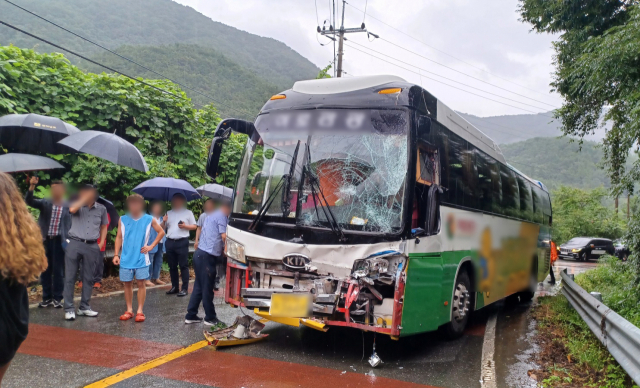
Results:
x,y
362,92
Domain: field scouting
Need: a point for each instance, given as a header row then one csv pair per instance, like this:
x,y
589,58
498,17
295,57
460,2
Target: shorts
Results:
x,y
127,275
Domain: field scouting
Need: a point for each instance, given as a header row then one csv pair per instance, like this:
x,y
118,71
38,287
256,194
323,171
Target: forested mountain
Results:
x,y
556,161
514,128
233,87
210,55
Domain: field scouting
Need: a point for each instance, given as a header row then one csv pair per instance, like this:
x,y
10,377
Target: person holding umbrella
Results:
x,y
89,224
180,221
54,222
156,254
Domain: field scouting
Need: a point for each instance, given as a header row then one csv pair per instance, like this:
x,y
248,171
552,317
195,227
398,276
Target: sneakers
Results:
x,y
215,323
46,303
70,316
88,313
190,321
57,304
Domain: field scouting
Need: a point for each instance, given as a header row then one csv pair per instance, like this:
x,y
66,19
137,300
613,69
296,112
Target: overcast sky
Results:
x,y
486,34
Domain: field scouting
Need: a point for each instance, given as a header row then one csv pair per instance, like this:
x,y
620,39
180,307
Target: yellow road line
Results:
x,y
136,370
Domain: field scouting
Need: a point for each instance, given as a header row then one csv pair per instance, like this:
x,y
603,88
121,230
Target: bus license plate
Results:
x,y
290,305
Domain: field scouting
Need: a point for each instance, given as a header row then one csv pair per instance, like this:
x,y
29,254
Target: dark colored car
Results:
x,y
622,249
585,248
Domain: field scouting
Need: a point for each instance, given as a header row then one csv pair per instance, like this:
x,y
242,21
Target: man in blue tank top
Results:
x,y
132,252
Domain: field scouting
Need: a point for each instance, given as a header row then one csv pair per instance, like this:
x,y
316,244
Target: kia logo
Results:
x,y
295,261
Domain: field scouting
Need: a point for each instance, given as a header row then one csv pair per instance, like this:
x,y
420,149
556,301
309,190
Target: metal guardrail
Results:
x,y
619,336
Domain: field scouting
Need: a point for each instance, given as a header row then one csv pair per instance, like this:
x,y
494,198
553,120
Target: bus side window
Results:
x,y
526,205
485,192
428,168
510,192
537,204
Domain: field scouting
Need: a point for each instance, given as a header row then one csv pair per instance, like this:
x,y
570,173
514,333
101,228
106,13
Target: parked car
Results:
x,y
622,249
585,248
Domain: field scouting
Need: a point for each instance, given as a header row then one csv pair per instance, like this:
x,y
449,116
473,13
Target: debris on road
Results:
x,y
245,330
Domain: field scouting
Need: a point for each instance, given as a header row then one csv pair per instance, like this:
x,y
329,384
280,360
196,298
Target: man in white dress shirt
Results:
x,y
179,221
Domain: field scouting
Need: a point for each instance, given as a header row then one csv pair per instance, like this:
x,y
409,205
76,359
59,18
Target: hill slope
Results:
x,y
556,161
208,71
114,23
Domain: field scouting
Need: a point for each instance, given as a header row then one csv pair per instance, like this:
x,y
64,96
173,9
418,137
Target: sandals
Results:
x,y
140,317
126,316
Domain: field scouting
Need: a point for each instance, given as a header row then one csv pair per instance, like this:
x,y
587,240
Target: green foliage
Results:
x,y
616,281
579,212
632,238
597,72
171,134
582,346
239,92
116,23
324,73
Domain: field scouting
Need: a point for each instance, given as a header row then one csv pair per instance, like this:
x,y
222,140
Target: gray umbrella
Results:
x,y
34,134
25,162
215,191
107,146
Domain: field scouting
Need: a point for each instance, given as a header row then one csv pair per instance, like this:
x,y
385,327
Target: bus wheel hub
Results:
x,y
460,302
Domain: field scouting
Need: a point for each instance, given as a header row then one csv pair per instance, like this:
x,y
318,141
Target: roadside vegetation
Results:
x,y
570,355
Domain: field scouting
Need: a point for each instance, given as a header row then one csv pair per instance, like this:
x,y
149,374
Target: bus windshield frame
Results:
x,y
358,158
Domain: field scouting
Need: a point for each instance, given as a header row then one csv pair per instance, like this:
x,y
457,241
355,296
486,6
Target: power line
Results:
x,y
119,55
445,53
451,86
448,79
88,59
465,74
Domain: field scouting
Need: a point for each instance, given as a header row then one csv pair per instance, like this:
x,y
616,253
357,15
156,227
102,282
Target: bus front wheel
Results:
x,y
461,306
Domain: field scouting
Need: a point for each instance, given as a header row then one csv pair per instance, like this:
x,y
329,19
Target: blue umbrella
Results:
x,y
164,189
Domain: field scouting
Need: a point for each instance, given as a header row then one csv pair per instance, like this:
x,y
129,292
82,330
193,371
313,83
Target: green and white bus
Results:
x,y
365,202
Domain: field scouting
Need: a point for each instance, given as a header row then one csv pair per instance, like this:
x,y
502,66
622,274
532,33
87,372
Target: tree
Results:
x,y
324,73
597,72
582,213
171,134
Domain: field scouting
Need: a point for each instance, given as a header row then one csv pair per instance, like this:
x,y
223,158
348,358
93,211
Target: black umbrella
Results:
x,y
107,146
25,162
114,217
215,191
34,134
164,189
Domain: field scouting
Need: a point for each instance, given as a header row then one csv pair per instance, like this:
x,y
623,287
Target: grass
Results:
x,y
571,356
614,279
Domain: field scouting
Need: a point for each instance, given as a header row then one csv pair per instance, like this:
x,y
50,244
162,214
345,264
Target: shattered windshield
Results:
x,y
357,157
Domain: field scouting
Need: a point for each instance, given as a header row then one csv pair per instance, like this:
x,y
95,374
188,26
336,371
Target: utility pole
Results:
x,y
332,33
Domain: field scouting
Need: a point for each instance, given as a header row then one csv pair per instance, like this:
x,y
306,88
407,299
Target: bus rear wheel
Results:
x,y
461,306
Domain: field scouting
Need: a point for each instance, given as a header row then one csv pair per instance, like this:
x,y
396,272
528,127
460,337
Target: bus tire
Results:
x,y
461,306
528,294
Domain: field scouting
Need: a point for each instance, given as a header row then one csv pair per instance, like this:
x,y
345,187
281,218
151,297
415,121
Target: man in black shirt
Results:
x,y
54,222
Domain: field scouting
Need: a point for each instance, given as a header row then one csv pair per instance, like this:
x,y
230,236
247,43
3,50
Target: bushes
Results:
x,y
579,212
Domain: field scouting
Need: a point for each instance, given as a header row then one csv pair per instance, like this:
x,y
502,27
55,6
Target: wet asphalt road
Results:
x,y
58,353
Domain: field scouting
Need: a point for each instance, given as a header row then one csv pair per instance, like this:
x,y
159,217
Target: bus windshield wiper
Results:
x,y
314,183
285,206
284,182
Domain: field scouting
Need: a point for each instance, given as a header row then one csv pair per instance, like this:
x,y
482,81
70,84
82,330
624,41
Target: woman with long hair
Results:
x,y
22,259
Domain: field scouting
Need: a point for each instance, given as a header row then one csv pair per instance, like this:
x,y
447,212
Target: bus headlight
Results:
x,y
235,251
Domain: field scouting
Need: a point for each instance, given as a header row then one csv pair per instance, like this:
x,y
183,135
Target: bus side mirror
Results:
x,y
222,133
424,124
214,156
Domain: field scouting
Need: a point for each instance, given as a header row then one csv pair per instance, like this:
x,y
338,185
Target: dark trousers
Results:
x,y
177,256
205,268
77,253
52,279
553,276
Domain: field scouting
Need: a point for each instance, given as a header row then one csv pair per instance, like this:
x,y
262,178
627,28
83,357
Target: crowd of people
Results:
x,y
69,240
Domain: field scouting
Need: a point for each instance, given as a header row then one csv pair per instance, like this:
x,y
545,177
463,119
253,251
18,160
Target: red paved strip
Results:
x,y
226,370
91,348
